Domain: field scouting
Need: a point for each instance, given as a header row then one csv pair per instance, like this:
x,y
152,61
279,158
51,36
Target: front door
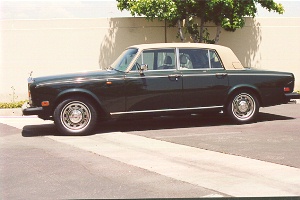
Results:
x,y
157,89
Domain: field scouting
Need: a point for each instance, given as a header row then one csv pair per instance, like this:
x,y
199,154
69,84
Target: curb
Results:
x,y
297,101
11,112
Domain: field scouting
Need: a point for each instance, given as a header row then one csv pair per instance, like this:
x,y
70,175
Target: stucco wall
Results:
x,y
68,45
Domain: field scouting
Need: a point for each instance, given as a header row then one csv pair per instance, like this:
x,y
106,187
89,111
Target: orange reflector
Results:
x,y
45,103
108,82
286,89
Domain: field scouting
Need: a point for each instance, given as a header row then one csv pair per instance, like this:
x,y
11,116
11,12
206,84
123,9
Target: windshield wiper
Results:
x,y
109,68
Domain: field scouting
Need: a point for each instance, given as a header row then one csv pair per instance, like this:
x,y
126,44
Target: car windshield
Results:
x,y
122,62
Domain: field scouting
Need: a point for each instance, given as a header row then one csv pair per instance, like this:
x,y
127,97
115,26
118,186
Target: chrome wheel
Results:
x,y
243,106
75,116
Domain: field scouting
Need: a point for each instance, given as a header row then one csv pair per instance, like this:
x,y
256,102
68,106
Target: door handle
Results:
x,y
176,76
221,74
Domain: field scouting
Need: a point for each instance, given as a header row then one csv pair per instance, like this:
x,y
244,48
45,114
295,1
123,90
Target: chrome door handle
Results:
x,y
221,74
176,76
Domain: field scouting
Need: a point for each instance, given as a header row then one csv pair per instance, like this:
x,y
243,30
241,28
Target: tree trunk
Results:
x,y
193,36
201,31
217,38
180,30
202,18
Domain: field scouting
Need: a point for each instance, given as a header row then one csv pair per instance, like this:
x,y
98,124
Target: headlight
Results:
x,y
30,81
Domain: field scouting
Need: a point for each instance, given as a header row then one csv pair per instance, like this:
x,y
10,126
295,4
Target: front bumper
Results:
x,y
27,110
293,95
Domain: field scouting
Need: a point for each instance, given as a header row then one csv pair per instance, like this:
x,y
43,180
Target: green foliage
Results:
x,y
228,14
18,104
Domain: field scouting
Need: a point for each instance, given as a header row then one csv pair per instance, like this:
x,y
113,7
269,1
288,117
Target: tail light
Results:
x,y
287,89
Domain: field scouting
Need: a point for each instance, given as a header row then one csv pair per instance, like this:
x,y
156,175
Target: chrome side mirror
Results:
x,y
144,67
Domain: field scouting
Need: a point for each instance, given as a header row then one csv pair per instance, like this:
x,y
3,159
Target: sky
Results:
x,y
67,9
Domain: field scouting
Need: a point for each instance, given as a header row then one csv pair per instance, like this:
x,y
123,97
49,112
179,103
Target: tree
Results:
x,y
226,14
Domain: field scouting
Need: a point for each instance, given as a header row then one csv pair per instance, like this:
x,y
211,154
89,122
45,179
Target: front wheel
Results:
x,y
75,116
243,107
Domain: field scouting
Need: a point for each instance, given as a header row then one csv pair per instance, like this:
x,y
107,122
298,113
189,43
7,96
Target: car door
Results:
x,y
159,88
205,81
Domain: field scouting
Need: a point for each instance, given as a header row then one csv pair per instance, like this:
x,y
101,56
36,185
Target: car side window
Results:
x,y
199,59
160,59
215,61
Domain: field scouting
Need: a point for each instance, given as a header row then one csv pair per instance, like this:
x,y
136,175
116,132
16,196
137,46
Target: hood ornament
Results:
x,y
30,79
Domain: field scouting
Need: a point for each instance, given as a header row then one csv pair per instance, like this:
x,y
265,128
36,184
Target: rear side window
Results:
x,y
199,59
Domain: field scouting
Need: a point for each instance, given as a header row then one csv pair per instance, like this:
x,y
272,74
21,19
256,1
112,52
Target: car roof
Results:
x,y
174,45
229,59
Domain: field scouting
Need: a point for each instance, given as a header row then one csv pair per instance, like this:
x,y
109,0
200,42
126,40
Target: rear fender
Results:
x,y
245,87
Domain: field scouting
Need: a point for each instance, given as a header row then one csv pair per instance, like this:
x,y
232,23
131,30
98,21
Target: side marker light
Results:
x,y
45,103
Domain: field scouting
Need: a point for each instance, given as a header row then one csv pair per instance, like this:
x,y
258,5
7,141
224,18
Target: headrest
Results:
x,y
183,59
168,60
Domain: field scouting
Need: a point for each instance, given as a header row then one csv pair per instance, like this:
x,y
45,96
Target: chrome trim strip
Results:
x,y
165,110
143,77
230,74
79,80
191,75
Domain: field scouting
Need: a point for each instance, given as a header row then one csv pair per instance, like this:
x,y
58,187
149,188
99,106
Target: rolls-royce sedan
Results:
x,y
158,79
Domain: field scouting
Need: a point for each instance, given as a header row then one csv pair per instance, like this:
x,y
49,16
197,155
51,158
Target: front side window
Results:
x,y
123,61
157,59
199,59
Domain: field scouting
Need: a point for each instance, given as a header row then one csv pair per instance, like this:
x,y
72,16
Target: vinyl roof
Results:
x,y
229,59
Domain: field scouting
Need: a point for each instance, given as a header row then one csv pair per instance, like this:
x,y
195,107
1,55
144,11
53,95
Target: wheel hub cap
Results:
x,y
243,106
75,116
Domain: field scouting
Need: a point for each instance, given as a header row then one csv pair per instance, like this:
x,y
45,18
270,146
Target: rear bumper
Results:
x,y
293,95
27,110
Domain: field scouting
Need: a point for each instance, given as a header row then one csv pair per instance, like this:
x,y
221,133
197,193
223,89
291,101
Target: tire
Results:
x,y
242,107
75,116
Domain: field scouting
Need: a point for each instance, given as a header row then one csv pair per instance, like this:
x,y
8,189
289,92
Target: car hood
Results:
x,y
79,76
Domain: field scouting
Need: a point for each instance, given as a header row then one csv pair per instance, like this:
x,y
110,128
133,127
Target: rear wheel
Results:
x,y
75,116
243,107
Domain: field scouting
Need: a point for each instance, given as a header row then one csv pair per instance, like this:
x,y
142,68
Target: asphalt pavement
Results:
x,y
162,157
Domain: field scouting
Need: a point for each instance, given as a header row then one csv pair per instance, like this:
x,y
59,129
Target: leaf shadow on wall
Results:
x,y
125,32
245,42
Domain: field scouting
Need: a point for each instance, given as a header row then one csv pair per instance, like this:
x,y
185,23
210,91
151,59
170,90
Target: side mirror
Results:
x,y
144,67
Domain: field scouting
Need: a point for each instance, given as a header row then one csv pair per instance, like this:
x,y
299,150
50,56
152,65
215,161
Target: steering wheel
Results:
x,y
137,65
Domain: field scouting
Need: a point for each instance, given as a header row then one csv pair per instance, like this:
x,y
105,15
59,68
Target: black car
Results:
x,y
158,79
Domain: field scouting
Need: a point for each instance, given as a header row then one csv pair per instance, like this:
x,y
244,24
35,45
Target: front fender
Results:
x,y
79,91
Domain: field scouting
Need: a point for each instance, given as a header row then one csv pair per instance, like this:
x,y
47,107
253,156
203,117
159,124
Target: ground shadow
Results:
x,y
152,123
40,130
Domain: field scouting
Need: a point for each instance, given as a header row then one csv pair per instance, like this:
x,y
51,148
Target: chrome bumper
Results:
x,y
27,110
293,95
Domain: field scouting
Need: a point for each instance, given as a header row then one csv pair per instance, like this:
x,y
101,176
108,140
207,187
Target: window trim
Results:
x,y
153,49
209,61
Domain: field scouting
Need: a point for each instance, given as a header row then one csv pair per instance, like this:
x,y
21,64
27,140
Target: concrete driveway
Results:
x,y
186,156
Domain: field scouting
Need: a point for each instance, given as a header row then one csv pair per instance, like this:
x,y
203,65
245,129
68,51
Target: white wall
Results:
x,y
68,45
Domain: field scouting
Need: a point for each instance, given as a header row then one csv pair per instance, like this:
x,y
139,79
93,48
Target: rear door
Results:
x,y
205,81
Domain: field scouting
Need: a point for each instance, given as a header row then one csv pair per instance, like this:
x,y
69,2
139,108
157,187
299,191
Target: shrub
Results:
x,y
12,104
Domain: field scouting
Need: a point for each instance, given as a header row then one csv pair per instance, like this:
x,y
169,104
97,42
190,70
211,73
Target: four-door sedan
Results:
x,y
158,79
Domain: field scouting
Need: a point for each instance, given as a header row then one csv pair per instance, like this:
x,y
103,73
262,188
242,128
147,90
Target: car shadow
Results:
x,y
40,130
152,123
